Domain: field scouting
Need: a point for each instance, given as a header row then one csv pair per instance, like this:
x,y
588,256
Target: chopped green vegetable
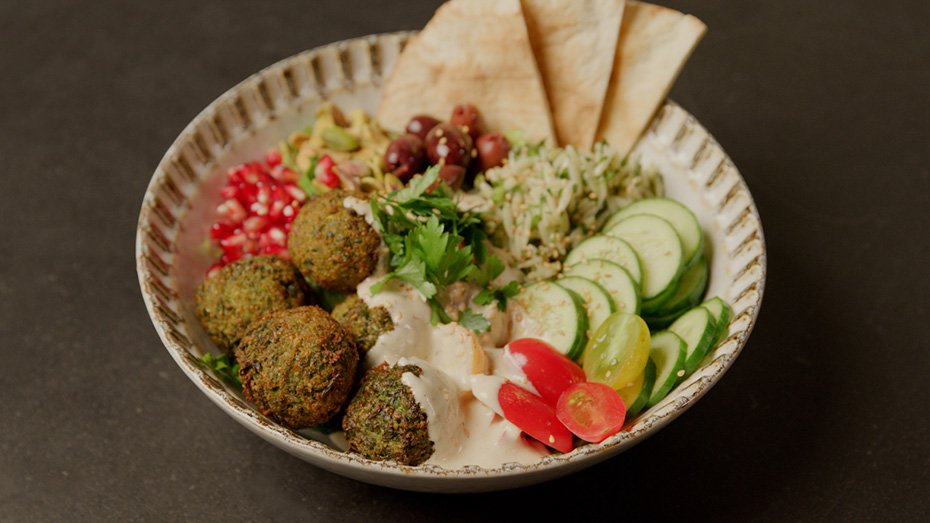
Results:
x,y
338,139
474,321
305,182
224,367
432,244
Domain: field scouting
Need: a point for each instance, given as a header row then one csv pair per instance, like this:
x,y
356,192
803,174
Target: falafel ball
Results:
x,y
384,420
297,366
364,322
332,246
244,290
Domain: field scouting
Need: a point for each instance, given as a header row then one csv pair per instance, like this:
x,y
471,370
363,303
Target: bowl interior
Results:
x,y
253,116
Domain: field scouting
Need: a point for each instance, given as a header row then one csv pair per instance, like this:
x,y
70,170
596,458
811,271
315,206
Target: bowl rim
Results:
x,y
151,270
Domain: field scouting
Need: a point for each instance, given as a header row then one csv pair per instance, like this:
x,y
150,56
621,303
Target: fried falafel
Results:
x,y
243,291
297,366
364,322
332,246
384,421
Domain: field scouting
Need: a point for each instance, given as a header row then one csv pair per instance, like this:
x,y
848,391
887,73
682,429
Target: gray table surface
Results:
x,y
823,105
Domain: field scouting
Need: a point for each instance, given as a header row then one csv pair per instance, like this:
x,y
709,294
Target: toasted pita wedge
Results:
x,y
654,44
574,43
474,51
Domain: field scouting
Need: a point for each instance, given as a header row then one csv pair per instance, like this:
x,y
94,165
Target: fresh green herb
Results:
x,y
224,367
474,321
305,181
432,244
326,298
498,294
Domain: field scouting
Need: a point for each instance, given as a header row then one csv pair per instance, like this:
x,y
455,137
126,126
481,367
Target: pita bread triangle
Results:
x,y
472,51
574,43
654,44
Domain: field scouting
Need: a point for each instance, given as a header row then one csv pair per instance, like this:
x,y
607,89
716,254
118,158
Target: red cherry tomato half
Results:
x,y
592,411
532,415
550,371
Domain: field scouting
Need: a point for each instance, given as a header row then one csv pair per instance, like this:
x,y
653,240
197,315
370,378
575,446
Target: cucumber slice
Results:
x,y
642,399
689,290
553,314
722,314
614,279
667,351
697,328
679,216
607,248
659,249
596,300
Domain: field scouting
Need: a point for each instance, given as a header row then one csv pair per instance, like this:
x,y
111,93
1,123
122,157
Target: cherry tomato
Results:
x,y
533,415
631,391
592,411
548,370
617,351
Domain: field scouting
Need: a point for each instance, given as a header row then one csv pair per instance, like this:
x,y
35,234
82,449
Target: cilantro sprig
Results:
x,y
434,245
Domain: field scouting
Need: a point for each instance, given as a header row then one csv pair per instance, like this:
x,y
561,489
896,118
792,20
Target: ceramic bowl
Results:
x,y
251,117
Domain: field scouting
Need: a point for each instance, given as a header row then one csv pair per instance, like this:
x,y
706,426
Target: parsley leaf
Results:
x,y
224,367
417,186
413,271
474,321
499,294
491,269
432,243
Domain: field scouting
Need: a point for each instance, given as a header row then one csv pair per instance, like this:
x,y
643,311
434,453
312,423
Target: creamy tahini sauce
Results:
x,y
466,431
458,367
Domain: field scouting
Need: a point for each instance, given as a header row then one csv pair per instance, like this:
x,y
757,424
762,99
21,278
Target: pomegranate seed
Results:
x,y
326,172
263,194
251,246
275,210
277,235
218,231
245,193
215,268
229,191
236,175
254,224
279,193
230,256
289,211
258,209
283,174
232,212
233,241
276,250
296,193
273,158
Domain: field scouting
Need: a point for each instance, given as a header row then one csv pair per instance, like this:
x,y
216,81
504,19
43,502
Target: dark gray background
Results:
x,y
823,105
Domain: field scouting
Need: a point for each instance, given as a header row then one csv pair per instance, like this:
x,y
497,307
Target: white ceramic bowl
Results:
x,y
243,123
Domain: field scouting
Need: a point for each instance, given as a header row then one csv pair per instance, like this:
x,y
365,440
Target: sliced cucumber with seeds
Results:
x,y
660,252
722,314
597,301
667,351
689,291
614,279
698,329
680,217
553,314
608,248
